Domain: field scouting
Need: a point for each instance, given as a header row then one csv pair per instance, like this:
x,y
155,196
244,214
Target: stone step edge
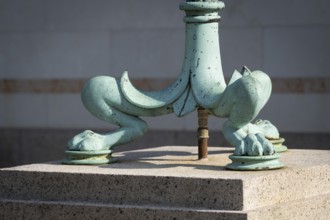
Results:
x,y
123,189
34,187
119,206
88,204
11,208
317,206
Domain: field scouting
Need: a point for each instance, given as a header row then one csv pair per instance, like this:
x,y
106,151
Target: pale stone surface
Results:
x,y
169,181
317,207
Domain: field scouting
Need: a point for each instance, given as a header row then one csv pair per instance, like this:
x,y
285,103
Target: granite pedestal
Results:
x,y
169,183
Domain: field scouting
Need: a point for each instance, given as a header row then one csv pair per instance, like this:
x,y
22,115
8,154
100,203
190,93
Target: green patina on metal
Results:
x,y
200,85
88,157
278,145
269,162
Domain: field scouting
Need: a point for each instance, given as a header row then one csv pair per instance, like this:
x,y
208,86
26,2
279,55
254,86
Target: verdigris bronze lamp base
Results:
x,y
278,145
88,157
269,162
199,86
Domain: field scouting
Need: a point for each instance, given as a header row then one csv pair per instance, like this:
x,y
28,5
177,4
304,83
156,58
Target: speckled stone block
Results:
x,y
169,182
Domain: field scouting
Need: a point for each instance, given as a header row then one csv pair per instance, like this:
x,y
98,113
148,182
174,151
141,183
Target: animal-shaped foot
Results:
x,y
254,145
87,141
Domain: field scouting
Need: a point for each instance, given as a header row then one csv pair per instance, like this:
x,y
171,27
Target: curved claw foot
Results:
x,y
87,141
254,145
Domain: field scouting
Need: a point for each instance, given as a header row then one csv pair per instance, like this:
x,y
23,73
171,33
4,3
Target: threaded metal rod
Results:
x,y
202,133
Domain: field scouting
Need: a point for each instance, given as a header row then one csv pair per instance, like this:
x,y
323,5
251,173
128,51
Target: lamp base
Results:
x,y
278,144
88,157
269,162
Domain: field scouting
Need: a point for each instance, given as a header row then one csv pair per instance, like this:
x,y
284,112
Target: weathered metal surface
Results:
x,y
88,157
269,162
200,85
